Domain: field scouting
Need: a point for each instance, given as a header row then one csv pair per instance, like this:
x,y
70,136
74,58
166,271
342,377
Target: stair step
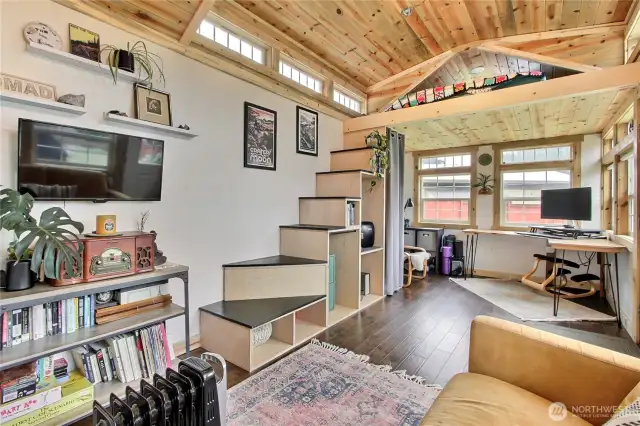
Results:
x,y
368,172
274,261
256,312
330,198
328,228
362,148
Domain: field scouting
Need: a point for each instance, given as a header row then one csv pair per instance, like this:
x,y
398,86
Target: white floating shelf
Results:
x,y
77,61
41,103
160,128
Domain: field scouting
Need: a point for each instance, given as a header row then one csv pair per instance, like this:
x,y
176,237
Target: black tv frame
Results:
x,y
95,200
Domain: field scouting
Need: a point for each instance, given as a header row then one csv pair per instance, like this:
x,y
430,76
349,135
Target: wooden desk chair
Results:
x,y
581,285
408,251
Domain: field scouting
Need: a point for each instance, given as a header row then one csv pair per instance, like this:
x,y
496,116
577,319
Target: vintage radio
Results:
x,y
127,253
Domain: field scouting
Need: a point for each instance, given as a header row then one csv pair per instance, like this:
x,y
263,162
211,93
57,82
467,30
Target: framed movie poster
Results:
x,y
306,131
259,137
152,105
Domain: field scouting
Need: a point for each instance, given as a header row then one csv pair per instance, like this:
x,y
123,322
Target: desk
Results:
x,y
600,246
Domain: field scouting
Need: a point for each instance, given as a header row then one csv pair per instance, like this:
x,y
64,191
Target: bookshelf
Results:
x,y
48,345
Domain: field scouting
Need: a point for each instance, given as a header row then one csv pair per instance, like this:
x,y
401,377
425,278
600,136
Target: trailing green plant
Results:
x,y
49,240
148,62
379,157
484,183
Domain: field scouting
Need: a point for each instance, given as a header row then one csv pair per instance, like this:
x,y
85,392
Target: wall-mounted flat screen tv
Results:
x,y
59,162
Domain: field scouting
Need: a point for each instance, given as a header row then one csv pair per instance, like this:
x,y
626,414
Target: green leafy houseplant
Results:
x,y
380,156
148,62
484,183
50,241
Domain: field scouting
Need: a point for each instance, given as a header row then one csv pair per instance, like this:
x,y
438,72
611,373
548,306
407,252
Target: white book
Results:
x,y
34,323
71,319
96,369
63,317
133,355
105,355
117,359
126,361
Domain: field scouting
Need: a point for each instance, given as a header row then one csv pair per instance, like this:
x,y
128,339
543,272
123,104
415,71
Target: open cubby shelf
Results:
x,y
339,313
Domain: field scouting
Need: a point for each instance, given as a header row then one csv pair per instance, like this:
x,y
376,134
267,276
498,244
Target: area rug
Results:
x,y
322,384
526,303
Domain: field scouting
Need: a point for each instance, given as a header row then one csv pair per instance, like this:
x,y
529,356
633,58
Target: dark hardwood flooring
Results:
x,y
424,330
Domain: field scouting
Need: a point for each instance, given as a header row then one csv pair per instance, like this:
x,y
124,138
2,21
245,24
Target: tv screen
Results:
x,y
70,163
566,204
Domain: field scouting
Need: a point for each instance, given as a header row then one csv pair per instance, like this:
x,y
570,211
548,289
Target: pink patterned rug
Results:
x,y
322,384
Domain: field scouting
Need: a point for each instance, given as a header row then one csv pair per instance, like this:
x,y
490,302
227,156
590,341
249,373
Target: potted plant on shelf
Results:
x,y
126,59
484,183
46,243
380,156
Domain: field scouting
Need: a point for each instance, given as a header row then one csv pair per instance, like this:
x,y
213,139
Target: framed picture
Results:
x,y
259,137
152,105
306,131
84,43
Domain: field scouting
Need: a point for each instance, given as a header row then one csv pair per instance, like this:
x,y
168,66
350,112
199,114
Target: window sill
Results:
x,y
624,240
446,225
511,228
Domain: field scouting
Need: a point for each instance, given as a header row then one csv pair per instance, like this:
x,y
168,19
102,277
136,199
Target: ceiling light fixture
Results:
x,y
477,70
407,11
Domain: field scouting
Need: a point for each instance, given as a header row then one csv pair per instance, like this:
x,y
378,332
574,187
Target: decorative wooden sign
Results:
x,y
13,84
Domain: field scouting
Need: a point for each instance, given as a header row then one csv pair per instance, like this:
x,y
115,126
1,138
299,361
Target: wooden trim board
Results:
x,y
304,243
339,184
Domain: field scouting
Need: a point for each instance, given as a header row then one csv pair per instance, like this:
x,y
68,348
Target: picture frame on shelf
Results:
x,y
306,131
84,43
152,105
260,142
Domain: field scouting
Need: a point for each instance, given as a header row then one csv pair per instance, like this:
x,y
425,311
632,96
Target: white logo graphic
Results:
x,y
557,411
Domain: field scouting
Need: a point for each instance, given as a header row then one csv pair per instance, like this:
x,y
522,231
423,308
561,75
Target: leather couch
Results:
x,y
516,373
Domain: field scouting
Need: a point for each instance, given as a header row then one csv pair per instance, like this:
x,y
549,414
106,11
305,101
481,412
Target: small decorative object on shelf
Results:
x,y
106,224
116,112
380,156
152,105
160,258
126,59
22,86
184,127
70,99
53,243
19,276
104,297
261,334
306,131
484,183
84,43
144,217
260,126
37,32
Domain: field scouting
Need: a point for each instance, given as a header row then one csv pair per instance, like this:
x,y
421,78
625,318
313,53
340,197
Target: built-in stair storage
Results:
x,y
273,304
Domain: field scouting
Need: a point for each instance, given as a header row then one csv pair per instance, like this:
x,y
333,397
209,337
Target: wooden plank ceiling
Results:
x,y
573,115
372,40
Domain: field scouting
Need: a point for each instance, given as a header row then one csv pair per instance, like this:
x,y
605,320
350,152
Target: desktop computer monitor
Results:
x,y
567,204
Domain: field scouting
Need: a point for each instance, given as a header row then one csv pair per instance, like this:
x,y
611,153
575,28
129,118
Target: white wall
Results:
x,y
213,210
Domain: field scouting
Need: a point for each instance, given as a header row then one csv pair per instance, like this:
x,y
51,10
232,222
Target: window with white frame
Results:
x,y
239,44
537,155
347,101
300,77
445,189
521,195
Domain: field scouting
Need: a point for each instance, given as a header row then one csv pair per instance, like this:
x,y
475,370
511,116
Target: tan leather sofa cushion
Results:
x,y
473,399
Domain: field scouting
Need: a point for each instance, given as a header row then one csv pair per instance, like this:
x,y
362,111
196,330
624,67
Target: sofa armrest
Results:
x,y
554,367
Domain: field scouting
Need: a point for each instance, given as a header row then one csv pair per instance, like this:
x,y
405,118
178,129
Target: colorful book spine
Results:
x,y
80,312
26,325
54,318
165,343
5,329
16,332
92,311
141,357
49,319
87,311
62,317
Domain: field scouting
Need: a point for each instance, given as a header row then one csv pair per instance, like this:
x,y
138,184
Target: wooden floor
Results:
x,y
424,329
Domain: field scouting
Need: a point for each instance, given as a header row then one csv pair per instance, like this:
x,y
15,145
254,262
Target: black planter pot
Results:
x,y
125,61
20,276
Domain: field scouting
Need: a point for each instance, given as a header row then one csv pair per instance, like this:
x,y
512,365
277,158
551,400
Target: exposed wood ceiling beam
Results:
x,y
592,82
495,47
202,10
546,35
418,27
622,109
380,101
632,15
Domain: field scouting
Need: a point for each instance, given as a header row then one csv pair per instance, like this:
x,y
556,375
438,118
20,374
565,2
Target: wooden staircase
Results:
x,y
290,290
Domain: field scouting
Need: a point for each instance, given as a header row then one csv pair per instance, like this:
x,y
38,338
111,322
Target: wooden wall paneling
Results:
x,y
622,204
346,247
339,184
304,243
635,253
269,282
607,208
617,108
529,56
236,345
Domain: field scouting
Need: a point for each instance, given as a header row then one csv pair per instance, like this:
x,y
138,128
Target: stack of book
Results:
x,y
126,357
52,318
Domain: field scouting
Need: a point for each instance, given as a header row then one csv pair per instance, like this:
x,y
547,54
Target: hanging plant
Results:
x,y
379,157
484,183
126,59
